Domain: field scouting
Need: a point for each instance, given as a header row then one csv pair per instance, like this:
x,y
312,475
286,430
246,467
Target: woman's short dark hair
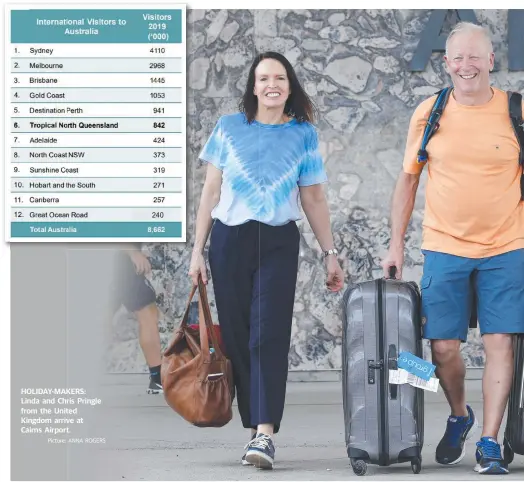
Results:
x,y
298,104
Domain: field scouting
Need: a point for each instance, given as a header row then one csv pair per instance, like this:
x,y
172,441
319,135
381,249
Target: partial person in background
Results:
x,y
473,240
134,291
260,161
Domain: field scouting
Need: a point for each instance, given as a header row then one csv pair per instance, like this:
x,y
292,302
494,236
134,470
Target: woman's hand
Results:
x,y
335,275
197,267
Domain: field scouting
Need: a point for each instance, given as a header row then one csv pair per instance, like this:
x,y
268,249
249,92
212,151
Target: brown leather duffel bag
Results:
x,y
198,382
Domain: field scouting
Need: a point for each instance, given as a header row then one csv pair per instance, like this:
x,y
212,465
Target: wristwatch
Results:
x,y
330,251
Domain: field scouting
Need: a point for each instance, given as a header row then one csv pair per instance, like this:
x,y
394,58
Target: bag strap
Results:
x,y
205,320
432,124
515,114
183,323
206,326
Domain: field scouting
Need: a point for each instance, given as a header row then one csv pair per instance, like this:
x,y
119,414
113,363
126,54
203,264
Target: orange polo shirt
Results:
x,y
473,197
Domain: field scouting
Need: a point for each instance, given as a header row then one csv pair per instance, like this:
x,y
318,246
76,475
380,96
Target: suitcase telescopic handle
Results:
x,y
392,272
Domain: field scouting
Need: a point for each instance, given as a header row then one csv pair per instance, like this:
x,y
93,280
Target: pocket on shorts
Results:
x,y
425,293
425,282
429,306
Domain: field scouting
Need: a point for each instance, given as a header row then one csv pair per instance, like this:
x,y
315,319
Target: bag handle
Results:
x,y
183,323
206,326
204,321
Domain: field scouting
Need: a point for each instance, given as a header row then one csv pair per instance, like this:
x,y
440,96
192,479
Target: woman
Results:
x,y
260,160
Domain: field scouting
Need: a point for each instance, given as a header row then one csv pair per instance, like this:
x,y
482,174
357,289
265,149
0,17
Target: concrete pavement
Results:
x,y
146,440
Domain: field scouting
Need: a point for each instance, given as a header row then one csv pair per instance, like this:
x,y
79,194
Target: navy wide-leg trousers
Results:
x,y
254,272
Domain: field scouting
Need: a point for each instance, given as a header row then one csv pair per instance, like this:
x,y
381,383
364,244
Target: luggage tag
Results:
x,y
415,371
398,377
415,365
431,384
401,376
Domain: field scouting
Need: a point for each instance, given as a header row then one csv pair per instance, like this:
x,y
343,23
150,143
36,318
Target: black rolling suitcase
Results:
x,y
384,423
514,433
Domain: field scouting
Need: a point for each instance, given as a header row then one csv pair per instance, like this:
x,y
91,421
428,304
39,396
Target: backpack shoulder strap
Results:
x,y
433,122
515,113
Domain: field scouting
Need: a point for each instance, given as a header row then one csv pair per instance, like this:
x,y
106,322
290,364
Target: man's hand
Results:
x,y
395,257
335,275
139,259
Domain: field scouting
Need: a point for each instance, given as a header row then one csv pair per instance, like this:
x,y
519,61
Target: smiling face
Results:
x,y
271,84
469,60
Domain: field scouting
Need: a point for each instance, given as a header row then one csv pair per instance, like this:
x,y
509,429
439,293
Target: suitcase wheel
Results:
x,y
359,467
416,465
508,452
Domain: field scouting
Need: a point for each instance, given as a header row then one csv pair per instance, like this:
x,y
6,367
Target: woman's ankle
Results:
x,y
266,429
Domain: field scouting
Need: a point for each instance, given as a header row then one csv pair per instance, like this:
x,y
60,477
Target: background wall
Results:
x,y
354,64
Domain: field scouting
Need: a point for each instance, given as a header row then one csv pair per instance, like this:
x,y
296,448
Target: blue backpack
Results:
x,y
515,113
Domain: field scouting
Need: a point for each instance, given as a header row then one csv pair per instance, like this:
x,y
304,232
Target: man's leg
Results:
x,y
500,287
139,297
146,311
446,308
148,335
496,382
451,372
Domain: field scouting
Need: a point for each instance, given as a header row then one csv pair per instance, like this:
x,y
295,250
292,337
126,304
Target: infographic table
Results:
x,y
95,136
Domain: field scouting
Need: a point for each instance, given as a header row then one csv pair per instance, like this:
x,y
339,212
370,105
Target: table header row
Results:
x,y
97,26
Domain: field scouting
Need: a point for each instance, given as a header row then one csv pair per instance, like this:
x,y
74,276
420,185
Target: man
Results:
x,y
473,239
134,291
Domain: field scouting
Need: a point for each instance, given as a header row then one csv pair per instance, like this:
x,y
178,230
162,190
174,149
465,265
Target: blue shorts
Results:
x,y
451,285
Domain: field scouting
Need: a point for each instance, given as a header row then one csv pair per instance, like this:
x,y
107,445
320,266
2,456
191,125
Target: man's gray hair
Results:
x,y
468,27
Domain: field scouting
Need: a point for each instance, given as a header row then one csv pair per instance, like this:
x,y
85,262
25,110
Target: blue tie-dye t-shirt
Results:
x,y
262,167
